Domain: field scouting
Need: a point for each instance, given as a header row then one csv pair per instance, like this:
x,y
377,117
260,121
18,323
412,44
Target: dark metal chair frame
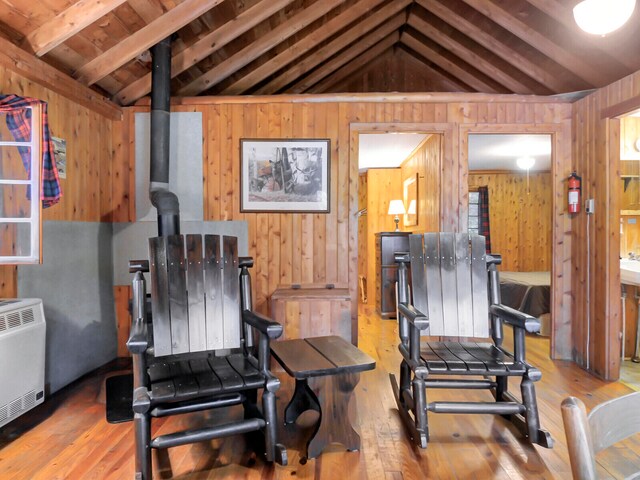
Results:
x,y
169,377
453,278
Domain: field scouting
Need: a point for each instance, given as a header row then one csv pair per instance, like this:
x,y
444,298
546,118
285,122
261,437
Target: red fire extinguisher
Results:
x,y
575,192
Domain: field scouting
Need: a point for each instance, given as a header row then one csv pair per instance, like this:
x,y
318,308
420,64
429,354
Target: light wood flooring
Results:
x,y
68,437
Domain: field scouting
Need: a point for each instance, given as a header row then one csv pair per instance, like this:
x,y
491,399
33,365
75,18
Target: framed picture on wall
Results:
x,y
410,191
284,175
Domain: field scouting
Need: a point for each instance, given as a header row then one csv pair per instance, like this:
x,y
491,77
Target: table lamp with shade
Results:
x,y
396,207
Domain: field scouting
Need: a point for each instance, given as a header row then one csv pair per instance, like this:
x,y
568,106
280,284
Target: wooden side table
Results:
x,y
336,365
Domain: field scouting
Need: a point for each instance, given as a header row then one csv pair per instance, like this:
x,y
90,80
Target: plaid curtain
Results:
x,y
18,122
483,216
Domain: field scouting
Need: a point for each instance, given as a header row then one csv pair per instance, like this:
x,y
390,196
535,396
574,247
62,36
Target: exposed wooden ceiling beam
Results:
x,y
67,23
313,39
452,83
468,55
362,45
357,64
311,61
146,37
204,47
23,63
540,42
259,47
551,81
563,14
147,9
447,65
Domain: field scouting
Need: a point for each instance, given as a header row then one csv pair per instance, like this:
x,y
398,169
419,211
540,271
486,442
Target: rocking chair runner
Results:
x,y
197,354
456,291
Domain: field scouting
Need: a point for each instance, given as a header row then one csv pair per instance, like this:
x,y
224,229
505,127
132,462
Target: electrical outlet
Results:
x,y
590,206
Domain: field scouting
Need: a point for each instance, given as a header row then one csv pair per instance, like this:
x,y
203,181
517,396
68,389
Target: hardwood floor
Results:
x,y
68,438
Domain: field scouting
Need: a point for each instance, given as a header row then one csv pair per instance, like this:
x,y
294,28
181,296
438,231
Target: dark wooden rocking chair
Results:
x,y
198,353
456,292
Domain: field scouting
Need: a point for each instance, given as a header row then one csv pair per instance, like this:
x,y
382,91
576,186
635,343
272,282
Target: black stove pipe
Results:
x,y
165,201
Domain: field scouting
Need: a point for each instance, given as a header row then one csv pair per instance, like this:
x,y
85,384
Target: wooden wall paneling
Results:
x,y
362,233
331,231
286,220
384,185
121,295
341,118
521,222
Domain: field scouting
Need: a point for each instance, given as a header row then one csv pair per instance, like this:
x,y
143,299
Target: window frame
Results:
x,y
35,214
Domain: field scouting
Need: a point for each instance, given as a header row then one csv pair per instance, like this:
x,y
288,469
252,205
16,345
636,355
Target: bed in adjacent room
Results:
x,y
529,292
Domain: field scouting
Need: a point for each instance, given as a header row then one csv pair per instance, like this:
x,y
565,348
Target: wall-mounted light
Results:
x,y
600,17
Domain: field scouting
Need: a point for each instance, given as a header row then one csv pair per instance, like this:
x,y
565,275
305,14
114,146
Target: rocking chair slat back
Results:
x,y
449,279
213,292
195,300
195,289
178,302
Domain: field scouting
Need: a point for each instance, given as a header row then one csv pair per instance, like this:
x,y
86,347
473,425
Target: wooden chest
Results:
x,y
312,310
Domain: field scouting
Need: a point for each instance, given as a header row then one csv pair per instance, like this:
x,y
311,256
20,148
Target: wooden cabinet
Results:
x,y
312,310
387,244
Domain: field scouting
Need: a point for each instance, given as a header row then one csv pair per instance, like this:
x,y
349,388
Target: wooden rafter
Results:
x,y
433,70
367,60
259,47
356,65
300,68
310,41
468,55
538,41
147,9
206,46
553,82
455,70
350,53
67,23
563,14
36,70
133,45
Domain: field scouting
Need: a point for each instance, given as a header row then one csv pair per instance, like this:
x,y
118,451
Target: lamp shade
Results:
x,y
412,207
600,17
396,207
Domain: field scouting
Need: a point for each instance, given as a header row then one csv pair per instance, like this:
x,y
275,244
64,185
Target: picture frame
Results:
x,y
410,199
285,175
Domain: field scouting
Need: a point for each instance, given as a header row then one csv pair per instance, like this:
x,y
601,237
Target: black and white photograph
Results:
x,y
285,175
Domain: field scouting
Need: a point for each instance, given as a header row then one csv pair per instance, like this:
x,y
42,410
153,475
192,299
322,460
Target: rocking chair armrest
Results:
x,y
415,316
263,324
516,318
138,341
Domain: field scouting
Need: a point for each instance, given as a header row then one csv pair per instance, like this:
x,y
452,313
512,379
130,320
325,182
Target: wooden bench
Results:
x,y
334,364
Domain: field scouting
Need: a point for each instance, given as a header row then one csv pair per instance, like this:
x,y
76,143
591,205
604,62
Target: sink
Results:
x,y
630,272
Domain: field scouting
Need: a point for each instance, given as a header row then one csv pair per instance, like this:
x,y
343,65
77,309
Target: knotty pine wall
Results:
x,y
520,218
383,185
91,152
304,248
425,162
596,241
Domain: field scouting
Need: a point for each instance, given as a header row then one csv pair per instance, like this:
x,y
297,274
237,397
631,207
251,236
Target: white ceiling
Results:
x,y
486,152
386,150
500,152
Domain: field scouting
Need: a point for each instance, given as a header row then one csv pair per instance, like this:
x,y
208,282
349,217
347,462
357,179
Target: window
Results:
x,y
474,212
20,185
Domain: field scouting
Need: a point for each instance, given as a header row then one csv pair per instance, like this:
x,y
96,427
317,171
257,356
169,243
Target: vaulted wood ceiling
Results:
x,y
236,47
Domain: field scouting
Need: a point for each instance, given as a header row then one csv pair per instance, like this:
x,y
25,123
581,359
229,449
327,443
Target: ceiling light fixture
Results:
x,y
525,163
600,17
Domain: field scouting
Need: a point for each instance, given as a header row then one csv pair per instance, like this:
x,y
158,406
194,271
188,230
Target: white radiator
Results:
x,y
22,345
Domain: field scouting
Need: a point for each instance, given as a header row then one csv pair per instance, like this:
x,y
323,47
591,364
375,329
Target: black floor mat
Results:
x,y
119,398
